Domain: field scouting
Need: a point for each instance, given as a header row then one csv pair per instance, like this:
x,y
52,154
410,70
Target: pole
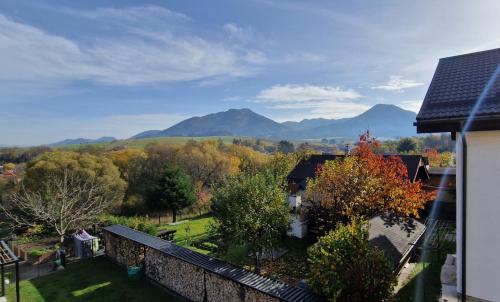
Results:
x,y
17,282
3,281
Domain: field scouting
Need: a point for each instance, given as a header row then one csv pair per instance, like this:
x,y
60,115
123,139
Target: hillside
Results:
x,y
82,141
234,122
384,121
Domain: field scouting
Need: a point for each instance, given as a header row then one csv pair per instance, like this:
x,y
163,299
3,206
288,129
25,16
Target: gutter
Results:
x,y
464,217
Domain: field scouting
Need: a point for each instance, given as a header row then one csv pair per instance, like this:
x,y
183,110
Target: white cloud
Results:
x,y
135,56
397,83
411,105
315,101
232,28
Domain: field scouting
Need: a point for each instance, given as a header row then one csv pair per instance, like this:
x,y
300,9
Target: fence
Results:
x,y
192,275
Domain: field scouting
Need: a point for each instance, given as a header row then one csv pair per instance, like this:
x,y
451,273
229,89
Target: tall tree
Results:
x,y
250,209
344,266
361,185
407,145
286,146
65,202
173,192
98,168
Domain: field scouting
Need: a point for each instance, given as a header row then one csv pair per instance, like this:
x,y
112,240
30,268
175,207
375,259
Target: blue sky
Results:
x,y
92,68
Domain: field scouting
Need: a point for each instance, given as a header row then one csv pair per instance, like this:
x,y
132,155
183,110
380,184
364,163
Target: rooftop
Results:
x,y
455,88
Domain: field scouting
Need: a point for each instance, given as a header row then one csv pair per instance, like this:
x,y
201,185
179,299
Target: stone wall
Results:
x,y
194,282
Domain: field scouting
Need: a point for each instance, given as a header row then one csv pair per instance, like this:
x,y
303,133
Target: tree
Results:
x,y
173,192
250,209
362,185
407,145
100,169
344,266
286,146
204,162
9,166
66,201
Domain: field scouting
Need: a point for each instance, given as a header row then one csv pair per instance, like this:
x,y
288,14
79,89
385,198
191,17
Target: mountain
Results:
x,y
234,122
308,123
82,141
384,121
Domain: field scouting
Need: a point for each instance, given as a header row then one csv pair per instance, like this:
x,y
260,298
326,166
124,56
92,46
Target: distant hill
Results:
x,y
82,141
384,121
234,122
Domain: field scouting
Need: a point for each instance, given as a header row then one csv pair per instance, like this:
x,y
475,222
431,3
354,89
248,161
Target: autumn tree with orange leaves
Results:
x,y
361,185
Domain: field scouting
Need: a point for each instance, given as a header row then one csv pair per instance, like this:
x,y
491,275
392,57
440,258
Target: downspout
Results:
x,y
464,215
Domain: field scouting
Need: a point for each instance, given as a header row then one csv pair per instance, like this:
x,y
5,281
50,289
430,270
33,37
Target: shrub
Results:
x,y
140,223
345,267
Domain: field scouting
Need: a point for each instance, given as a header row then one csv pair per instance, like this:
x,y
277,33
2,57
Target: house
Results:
x,y
464,99
306,169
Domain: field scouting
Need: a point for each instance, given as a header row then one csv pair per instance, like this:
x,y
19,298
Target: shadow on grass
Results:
x,y
430,272
95,279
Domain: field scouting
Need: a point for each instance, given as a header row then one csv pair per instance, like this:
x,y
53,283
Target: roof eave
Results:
x,y
482,123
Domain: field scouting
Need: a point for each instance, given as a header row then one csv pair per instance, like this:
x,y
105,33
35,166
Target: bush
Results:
x,y
344,266
140,223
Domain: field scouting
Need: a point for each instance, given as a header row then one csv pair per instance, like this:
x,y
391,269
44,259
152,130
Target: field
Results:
x,y
92,280
141,143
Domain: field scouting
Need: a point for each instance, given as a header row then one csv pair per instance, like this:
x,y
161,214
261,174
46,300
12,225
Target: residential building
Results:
x,y
464,99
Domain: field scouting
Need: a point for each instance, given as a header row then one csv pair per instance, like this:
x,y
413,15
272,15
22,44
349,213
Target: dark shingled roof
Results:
x,y
457,84
280,290
395,236
306,168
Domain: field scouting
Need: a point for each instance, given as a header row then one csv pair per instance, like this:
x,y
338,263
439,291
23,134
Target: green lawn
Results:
x,y
90,280
430,272
189,230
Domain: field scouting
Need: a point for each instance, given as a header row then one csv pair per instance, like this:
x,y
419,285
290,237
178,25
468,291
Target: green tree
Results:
x,y
344,266
9,166
407,145
100,169
286,146
173,192
250,209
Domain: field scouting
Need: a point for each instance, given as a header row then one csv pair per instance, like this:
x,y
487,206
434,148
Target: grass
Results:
x,y
191,230
430,270
92,280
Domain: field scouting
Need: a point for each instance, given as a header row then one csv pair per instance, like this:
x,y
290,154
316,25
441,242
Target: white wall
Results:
x,y
483,214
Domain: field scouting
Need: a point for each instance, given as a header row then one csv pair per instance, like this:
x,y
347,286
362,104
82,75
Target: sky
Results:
x,y
72,69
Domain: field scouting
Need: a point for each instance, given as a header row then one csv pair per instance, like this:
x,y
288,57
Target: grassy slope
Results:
x,y
88,280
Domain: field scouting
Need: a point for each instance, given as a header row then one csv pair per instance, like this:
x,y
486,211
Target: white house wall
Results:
x,y
483,214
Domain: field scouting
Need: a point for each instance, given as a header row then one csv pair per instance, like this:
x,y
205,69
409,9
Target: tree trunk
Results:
x,y
174,215
257,262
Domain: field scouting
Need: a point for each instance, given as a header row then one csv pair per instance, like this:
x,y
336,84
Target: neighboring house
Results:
x,y
396,237
464,99
306,169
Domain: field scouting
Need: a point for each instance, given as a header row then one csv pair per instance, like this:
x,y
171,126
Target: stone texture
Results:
x,y
186,279
179,276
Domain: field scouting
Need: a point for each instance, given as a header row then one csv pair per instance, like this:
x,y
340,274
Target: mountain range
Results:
x,y
384,121
82,141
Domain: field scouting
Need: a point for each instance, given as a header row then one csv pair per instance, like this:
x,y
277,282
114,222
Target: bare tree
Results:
x,y
65,202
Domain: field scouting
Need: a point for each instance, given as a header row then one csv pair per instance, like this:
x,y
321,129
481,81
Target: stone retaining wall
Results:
x,y
186,279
